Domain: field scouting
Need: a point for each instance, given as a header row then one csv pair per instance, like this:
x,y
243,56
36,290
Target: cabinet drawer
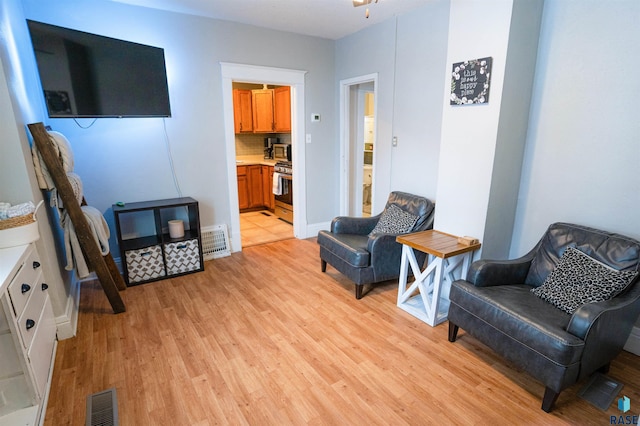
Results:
x,y
183,256
284,212
144,264
25,282
9,364
40,354
15,394
28,322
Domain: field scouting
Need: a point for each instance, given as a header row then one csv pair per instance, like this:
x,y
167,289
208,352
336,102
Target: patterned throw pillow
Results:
x,y
394,220
578,279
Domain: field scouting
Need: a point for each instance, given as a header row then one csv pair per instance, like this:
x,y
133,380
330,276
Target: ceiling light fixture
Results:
x,y
357,3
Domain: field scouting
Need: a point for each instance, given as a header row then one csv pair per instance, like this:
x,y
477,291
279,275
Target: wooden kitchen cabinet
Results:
x,y
251,187
262,110
282,109
267,187
243,188
242,111
262,103
254,174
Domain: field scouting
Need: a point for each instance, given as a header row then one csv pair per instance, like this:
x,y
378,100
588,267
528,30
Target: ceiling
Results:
x,y
331,19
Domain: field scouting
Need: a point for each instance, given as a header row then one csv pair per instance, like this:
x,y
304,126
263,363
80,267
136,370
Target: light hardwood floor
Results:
x,y
264,338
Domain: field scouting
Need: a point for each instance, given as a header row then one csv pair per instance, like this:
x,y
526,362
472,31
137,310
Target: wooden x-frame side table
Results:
x,y
427,298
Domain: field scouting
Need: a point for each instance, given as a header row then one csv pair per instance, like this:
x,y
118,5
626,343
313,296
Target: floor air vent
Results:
x,y
215,242
102,408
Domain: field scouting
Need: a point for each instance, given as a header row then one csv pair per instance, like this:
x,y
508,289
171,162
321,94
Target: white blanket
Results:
x,y
62,149
100,230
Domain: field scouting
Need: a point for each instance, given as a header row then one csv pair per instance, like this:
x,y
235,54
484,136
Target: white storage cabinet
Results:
x,y
27,337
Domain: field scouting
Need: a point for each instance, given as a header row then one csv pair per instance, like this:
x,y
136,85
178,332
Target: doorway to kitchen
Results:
x,y
262,127
358,111
294,79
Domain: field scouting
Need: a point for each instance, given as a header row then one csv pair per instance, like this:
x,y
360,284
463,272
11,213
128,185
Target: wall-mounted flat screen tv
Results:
x,y
91,76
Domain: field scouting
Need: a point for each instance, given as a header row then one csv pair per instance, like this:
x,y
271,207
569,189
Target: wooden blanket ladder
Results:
x,y
104,266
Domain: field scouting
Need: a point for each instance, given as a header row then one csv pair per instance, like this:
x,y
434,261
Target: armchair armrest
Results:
x,y
354,225
385,254
485,273
382,243
605,328
591,317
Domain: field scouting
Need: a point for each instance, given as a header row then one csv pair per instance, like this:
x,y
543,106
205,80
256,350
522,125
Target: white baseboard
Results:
x,y
633,342
67,323
313,229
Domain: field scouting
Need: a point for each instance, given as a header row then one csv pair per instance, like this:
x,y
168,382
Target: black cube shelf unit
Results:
x,y
147,251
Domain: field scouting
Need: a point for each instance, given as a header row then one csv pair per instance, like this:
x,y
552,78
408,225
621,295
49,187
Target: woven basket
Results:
x,y
20,230
17,221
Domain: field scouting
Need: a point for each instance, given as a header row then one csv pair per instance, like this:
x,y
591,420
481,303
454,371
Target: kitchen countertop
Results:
x,y
250,160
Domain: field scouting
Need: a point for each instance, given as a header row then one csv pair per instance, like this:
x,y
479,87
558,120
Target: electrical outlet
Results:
x,y
394,141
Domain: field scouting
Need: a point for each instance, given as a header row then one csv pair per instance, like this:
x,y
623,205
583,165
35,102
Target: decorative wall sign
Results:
x,y
470,82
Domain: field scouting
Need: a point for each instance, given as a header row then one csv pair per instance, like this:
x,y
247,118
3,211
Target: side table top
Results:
x,y
436,243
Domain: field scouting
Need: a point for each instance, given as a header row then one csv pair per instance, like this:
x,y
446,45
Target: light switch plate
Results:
x,y
315,117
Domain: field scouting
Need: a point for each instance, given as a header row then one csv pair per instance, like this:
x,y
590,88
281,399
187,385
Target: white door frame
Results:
x,y
345,139
266,75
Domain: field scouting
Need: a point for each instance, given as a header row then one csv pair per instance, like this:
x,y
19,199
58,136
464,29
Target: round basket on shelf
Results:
x,y
16,221
19,230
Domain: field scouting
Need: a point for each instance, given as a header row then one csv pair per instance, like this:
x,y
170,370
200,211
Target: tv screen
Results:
x,y
90,76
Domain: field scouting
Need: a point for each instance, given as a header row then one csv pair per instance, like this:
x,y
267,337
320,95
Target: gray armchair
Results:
x,y
368,259
497,307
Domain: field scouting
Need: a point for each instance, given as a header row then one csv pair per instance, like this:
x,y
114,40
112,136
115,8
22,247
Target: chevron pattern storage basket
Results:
x,y
183,256
145,264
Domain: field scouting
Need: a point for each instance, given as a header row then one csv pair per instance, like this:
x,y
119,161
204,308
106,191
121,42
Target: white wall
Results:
x,y
477,29
408,53
126,159
417,116
583,153
367,52
17,179
15,186
512,128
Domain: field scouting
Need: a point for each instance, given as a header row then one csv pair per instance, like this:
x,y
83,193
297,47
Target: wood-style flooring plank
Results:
x,y
263,337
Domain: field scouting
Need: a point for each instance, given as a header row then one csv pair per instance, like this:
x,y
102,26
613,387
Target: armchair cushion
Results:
x,y
394,220
352,248
511,310
579,279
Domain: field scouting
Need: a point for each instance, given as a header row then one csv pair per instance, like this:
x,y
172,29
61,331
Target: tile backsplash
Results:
x,y
253,143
